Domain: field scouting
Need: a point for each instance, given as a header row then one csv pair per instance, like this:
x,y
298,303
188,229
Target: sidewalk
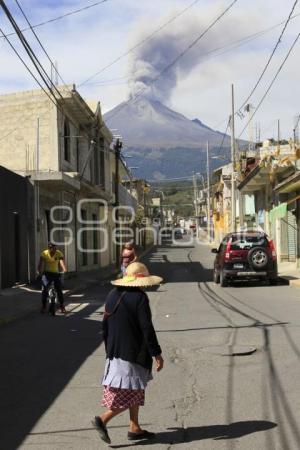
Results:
x,y
288,272
18,301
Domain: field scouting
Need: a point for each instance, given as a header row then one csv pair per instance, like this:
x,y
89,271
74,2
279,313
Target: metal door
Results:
x,y
292,236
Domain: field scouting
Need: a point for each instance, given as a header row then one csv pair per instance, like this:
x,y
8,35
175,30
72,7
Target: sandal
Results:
x,y
102,430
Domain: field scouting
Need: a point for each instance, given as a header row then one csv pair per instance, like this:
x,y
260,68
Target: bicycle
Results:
x,y
52,298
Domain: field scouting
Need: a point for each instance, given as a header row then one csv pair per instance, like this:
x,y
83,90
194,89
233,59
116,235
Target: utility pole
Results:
x,y
208,190
196,202
278,136
117,147
37,192
249,109
195,194
233,197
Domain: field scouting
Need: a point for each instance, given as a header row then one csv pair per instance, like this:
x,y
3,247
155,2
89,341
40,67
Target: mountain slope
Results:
x,y
163,143
149,123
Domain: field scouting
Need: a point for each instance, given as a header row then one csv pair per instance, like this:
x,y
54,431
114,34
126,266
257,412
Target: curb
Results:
x,y
288,281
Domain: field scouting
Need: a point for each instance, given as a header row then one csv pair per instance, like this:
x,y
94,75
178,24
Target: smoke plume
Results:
x,y
151,58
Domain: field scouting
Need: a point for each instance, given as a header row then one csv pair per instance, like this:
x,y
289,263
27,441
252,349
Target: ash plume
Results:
x,y
150,59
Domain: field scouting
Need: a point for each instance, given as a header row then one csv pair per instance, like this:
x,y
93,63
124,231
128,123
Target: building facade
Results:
x,y
64,150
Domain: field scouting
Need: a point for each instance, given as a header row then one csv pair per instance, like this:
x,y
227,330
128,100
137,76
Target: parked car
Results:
x,y
245,255
178,233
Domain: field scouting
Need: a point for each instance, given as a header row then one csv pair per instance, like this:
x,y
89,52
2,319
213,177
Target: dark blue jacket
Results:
x,y
127,327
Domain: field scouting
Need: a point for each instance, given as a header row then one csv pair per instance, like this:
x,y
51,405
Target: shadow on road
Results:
x,y
187,271
39,356
217,432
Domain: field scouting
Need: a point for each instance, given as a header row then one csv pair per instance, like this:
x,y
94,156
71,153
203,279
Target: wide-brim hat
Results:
x,y
137,275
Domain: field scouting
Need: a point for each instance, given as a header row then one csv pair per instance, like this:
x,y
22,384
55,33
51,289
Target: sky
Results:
x,y
198,85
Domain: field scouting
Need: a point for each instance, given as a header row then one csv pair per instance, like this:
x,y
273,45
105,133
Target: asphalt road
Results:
x,y
203,399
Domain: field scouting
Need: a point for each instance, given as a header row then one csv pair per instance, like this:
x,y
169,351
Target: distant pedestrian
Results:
x,y
128,256
131,344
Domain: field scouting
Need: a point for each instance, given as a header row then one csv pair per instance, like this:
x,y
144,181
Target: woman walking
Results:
x,y
128,256
131,344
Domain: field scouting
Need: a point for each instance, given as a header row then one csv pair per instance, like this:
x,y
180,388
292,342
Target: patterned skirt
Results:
x,y
115,398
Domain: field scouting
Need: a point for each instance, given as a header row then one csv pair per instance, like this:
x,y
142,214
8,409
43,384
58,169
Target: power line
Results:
x,y
40,43
271,84
271,56
31,73
37,64
70,13
174,62
224,136
146,39
189,177
227,48
235,45
297,123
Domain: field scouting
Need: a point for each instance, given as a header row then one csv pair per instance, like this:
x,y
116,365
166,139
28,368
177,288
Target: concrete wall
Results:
x,y
18,130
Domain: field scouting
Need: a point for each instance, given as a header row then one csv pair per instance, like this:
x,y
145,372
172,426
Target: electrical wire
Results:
x,y
43,74
174,62
146,39
70,13
227,48
271,56
297,123
271,84
235,44
224,136
38,66
40,43
31,73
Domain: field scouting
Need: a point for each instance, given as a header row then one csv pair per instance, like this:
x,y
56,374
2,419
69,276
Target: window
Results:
x,y
246,242
67,141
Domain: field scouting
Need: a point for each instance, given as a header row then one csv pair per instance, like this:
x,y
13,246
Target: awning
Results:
x,y
279,212
290,184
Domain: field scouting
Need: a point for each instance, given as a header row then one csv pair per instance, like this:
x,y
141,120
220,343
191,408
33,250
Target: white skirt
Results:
x,y
125,375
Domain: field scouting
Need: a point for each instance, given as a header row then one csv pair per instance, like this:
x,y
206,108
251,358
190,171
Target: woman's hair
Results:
x,y
128,245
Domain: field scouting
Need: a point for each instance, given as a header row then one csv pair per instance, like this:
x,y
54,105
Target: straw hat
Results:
x,y
137,275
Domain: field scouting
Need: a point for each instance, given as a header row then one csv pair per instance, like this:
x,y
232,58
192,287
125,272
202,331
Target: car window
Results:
x,y
247,242
224,243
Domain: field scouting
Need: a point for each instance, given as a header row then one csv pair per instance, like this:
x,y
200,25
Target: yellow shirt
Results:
x,y
51,263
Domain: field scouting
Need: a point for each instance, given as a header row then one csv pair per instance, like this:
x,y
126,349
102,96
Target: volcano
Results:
x,y
163,142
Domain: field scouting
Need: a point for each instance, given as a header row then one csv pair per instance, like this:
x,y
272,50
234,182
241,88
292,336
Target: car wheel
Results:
x,y
216,277
258,258
223,279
